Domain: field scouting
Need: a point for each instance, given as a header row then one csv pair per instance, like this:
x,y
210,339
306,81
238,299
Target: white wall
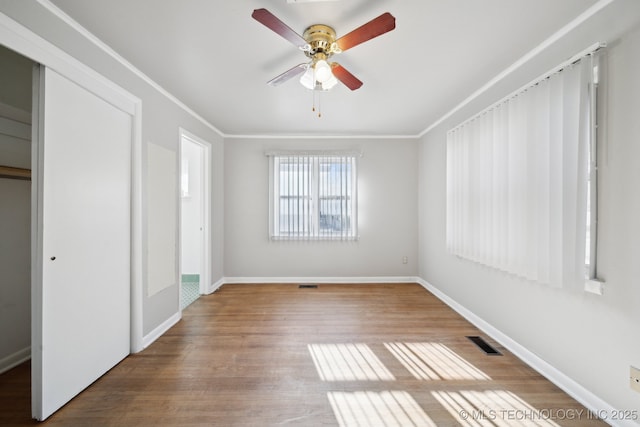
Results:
x,y
387,207
591,339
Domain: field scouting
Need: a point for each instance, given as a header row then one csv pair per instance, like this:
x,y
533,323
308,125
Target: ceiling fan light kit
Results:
x,y
319,44
319,77
322,71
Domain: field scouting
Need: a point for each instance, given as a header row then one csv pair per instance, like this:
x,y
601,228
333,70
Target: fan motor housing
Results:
x,y
321,38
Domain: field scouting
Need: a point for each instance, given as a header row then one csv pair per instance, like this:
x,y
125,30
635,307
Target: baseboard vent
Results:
x,y
307,286
484,346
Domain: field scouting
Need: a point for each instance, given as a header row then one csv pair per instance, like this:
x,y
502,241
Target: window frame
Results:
x,y
314,230
468,239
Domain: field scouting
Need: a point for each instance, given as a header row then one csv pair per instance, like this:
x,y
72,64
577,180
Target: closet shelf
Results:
x,y
15,173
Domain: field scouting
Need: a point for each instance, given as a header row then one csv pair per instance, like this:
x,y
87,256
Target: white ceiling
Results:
x,y
215,58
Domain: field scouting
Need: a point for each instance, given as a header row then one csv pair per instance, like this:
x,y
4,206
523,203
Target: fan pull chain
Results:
x,y
314,89
313,108
313,94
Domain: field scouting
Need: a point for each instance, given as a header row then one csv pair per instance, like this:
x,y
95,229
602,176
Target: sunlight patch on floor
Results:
x,y
348,362
380,409
434,361
492,408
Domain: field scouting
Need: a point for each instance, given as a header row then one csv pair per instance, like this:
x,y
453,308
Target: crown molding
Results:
x,y
109,51
584,16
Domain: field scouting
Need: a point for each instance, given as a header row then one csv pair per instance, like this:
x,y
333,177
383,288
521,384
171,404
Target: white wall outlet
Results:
x,y
405,260
635,379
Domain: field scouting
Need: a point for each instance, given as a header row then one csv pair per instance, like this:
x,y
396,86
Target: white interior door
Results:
x,y
81,276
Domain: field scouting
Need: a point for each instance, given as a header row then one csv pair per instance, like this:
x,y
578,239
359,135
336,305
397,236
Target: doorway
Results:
x,y
194,217
15,208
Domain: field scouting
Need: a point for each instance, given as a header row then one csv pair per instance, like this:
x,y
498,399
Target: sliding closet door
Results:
x,y
81,286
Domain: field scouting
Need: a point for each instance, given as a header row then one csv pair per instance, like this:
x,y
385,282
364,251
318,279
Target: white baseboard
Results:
x,y
346,280
148,339
215,286
568,385
13,360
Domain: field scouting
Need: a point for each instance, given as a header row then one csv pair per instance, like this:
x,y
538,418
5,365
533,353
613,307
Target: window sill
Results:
x,y
315,238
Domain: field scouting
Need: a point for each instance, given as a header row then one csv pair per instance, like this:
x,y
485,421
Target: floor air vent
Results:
x,y
484,346
307,286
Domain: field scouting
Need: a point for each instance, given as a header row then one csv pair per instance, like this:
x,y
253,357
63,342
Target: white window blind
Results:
x,y
313,196
517,179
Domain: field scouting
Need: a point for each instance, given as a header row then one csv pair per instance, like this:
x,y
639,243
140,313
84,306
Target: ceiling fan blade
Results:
x,y
374,28
272,22
348,79
289,74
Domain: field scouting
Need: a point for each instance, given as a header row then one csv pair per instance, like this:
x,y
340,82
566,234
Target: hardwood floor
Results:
x,y
272,355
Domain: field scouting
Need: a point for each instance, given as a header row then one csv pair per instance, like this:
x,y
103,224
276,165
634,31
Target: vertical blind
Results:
x,y
517,180
313,196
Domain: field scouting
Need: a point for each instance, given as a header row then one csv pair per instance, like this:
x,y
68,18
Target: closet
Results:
x,y
15,208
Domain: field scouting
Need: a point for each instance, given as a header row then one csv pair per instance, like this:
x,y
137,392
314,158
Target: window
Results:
x,y
313,196
518,180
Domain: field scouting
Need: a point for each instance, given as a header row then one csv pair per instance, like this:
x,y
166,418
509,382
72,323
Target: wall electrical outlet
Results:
x,y
635,379
405,260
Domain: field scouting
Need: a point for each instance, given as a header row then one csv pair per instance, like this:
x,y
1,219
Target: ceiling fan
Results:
x,y
319,43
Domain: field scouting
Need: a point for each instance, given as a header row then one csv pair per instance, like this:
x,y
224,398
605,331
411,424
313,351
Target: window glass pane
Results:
x,y
335,196
294,196
314,197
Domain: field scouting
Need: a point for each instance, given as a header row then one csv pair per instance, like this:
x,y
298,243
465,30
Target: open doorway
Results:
x,y
15,208
194,217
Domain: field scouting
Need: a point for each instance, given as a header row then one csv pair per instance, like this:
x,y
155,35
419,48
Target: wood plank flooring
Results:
x,y
274,355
